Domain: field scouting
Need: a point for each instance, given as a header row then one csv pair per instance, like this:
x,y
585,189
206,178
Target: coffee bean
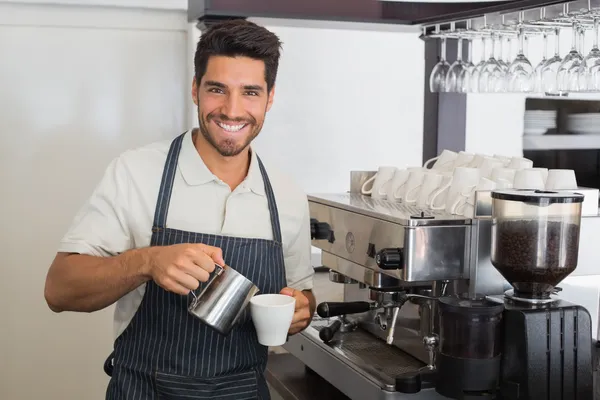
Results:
x,y
534,256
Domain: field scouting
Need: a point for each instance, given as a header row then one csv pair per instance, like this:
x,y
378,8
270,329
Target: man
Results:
x,y
164,214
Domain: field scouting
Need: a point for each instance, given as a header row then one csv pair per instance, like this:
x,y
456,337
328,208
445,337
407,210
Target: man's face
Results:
x,y
232,101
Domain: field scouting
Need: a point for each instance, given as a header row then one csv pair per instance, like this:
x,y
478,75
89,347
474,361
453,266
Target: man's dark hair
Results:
x,y
239,38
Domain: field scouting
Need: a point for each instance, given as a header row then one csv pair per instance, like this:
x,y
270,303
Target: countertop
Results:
x,y
291,380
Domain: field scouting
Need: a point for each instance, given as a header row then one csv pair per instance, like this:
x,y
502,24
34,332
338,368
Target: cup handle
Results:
x,y
430,161
437,193
461,199
396,197
407,197
363,190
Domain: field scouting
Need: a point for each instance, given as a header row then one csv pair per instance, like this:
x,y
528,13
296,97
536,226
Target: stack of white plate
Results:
x,y
537,122
584,124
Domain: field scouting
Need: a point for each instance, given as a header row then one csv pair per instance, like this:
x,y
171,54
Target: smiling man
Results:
x,y
164,214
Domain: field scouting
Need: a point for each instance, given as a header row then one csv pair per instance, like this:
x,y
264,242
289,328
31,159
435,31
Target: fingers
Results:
x,y
173,286
215,253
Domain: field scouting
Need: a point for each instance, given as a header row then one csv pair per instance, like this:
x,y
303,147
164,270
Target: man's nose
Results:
x,y
233,107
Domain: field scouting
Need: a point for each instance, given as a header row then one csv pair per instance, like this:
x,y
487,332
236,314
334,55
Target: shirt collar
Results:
x,y
195,172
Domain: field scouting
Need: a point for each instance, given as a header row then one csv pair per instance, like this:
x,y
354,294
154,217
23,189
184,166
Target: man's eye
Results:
x,y
215,90
252,93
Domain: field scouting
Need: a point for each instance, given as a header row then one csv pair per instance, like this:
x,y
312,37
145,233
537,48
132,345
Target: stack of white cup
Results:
x,y
449,181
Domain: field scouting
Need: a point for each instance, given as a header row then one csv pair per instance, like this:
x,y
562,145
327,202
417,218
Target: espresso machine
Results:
x,y
440,306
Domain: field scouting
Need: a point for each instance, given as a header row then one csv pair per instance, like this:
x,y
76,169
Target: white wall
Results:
x,y
78,86
348,97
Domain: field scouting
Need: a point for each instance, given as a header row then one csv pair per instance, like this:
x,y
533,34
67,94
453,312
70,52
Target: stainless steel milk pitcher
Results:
x,y
223,299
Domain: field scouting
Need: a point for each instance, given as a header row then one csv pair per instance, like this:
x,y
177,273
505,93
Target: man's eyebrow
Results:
x,y
257,88
215,83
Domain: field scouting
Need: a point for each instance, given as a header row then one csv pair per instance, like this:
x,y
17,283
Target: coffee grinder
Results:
x,y
528,344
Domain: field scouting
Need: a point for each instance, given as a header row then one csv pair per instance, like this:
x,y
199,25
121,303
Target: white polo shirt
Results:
x,y
119,214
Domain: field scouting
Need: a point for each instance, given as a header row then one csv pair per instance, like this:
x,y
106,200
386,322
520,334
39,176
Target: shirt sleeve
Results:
x,y
101,227
298,267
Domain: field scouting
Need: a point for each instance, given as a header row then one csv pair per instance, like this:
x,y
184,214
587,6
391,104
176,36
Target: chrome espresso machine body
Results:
x,y
395,261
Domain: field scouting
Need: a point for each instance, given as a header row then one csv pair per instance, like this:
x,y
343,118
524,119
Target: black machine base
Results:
x,y
547,352
465,379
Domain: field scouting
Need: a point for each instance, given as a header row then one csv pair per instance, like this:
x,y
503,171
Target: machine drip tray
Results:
x,y
367,353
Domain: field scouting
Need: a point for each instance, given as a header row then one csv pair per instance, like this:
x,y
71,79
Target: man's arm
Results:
x,y
85,283
78,282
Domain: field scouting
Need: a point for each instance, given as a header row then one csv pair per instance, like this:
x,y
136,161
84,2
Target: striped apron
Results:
x,y
166,353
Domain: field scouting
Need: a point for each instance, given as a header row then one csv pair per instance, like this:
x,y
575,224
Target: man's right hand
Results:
x,y
180,268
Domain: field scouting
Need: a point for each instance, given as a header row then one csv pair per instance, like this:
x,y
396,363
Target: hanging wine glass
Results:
x,y
437,79
491,75
456,69
566,70
464,79
587,75
476,72
550,69
520,70
537,72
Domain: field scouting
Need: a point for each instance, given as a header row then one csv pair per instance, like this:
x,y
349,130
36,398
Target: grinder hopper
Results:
x,y
535,238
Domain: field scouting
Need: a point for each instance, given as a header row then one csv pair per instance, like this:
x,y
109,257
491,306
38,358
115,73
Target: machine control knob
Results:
x,y
389,258
319,230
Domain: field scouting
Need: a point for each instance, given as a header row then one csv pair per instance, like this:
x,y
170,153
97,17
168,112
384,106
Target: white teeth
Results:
x,y
231,128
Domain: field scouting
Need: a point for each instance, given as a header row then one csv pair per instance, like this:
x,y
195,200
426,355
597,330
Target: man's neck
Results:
x,y
231,170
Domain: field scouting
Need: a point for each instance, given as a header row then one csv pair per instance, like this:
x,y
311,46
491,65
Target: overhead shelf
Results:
x,y
561,142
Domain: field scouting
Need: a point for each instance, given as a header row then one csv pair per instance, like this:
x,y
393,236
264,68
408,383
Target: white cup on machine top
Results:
x,y
401,185
272,316
487,166
529,179
505,160
465,201
463,181
520,163
445,161
463,159
438,198
504,177
432,181
413,185
561,179
380,183
543,171
397,182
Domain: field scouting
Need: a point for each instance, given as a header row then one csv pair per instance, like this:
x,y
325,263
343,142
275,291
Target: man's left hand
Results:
x,y
304,309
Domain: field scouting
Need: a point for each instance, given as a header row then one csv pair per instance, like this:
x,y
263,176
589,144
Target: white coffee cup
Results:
x,y
487,166
432,181
477,160
520,163
399,191
444,161
543,171
413,185
272,316
463,181
505,160
439,197
468,197
381,182
504,177
561,179
528,179
463,159
397,182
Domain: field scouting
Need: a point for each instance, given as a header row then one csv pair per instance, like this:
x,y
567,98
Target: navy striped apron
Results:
x,y
166,353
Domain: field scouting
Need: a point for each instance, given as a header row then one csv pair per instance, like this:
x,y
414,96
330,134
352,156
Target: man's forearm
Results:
x,y
78,282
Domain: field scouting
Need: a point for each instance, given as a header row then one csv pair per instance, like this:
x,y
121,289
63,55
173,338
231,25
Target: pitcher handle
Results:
x,y
211,278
